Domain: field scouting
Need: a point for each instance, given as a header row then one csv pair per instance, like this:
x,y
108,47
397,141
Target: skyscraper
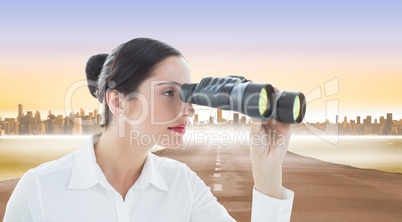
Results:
x,y
389,123
211,120
219,115
236,118
382,121
367,121
243,120
20,113
82,112
195,119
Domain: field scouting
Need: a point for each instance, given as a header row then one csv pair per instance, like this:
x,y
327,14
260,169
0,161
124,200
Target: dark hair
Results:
x,y
125,68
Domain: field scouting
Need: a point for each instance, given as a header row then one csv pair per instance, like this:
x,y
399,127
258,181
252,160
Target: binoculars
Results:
x,y
236,93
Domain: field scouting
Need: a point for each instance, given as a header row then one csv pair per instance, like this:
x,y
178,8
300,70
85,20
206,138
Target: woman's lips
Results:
x,y
179,128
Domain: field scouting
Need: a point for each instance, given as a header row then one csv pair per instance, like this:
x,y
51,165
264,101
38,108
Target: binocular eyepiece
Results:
x,y
259,101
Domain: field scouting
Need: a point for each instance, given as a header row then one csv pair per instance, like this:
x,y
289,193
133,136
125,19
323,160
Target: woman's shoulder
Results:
x,y
64,163
45,175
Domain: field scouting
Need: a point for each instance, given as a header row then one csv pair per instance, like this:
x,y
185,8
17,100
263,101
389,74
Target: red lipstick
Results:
x,y
179,128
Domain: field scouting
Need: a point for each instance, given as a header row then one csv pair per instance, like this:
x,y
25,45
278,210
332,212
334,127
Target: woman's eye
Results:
x,y
169,93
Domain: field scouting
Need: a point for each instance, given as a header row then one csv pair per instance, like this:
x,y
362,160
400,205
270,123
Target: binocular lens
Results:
x,y
263,102
296,108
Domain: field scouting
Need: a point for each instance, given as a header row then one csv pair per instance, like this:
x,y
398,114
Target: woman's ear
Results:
x,y
115,100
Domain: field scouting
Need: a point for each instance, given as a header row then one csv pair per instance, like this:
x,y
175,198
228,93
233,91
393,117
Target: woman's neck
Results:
x,y
121,163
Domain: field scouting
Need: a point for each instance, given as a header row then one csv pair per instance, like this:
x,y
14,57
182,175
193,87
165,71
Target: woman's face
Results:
x,y
158,106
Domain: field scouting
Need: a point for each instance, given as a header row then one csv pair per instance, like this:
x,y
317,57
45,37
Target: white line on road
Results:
x,y
218,164
218,187
217,175
217,169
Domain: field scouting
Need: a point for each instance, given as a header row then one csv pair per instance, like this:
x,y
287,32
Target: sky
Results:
x,y
293,45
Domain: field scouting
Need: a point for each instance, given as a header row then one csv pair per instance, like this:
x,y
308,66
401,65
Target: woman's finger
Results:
x,y
256,126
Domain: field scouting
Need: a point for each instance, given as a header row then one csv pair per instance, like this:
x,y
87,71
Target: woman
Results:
x,y
114,177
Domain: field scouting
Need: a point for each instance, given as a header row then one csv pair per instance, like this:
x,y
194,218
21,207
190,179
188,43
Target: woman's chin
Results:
x,y
176,145
172,140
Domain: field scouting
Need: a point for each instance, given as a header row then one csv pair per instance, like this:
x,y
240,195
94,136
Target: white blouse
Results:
x,y
74,188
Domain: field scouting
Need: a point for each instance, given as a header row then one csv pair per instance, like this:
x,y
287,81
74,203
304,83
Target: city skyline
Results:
x,y
31,124
211,110
312,116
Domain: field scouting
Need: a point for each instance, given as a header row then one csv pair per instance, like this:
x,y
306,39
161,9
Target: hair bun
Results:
x,y
92,70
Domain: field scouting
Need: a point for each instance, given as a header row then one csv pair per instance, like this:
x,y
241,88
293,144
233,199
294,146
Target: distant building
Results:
x,y
236,118
82,112
367,121
211,120
243,120
195,119
219,116
389,123
20,111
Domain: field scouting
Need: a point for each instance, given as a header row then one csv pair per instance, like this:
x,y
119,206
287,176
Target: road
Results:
x,y
226,170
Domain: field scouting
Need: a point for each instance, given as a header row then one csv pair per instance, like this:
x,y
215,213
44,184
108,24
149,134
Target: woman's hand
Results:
x,y
269,140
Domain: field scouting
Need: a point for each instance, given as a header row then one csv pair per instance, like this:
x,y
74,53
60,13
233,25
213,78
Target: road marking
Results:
x,y
218,164
218,160
217,169
218,187
217,175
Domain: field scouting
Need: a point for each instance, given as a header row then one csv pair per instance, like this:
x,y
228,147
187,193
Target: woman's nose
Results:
x,y
188,109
